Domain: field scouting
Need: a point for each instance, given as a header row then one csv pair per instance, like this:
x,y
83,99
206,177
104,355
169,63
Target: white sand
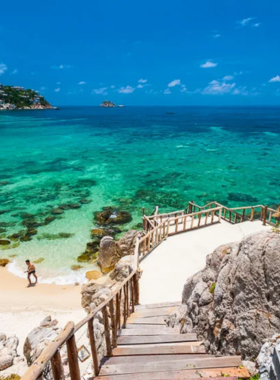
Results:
x,y
167,268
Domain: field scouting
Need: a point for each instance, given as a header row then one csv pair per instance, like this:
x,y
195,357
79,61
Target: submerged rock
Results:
x,y
93,274
111,215
4,242
233,304
60,235
239,197
76,267
98,233
49,219
31,223
84,201
57,211
38,261
4,262
25,238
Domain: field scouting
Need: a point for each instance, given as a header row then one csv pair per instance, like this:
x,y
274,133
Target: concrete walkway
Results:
x,y
166,269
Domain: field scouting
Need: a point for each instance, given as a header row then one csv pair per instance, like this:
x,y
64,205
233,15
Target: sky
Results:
x,y
180,52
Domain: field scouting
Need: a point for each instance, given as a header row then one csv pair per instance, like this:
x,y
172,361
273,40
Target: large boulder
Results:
x,y
111,251
8,350
234,303
6,361
39,338
111,216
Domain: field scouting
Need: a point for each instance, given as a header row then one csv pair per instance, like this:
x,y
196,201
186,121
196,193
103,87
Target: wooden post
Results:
x,y
113,323
220,215
243,215
127,300
136,288
252,214
107,330
124,307
229,216
93,347
190,207
57,368
149,242
192,221
206,217
212,217
235,218
199,218
132,295
168,224
264,215
118,309
72,354
176,224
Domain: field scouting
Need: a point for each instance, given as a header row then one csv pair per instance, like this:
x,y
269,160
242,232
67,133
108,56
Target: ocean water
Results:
x,y
130,157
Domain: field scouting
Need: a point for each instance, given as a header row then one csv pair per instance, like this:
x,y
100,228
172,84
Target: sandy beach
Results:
x,y
22,308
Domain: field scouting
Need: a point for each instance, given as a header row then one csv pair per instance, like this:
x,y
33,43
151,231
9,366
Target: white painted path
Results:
x,y
166,269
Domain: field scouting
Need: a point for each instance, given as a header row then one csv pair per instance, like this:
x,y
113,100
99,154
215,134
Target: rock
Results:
x,y
93,274
111,215
38,261
265,357
30,223
243,306
88,292
74,206
110,251
4,262
123,268
76,267
6,361
64,207
250,366
39,338
31,231
90,253
49,219
57,211
25,238
2,337
2,230
4,242
98,233
84,201
9,346
16,236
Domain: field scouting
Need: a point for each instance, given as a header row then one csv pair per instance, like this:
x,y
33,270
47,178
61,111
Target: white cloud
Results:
x,y
140,86
42,88
208,65
143,81
238,73
14,72
257,24
112,86
183,88
167,91
218,88
228,77
175,82
245,21
100,91
275,79
3,68
82,82
126,90
57,89
58,82
61,67
216,35
240,91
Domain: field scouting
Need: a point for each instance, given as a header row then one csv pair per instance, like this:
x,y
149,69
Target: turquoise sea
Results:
x,y
129,157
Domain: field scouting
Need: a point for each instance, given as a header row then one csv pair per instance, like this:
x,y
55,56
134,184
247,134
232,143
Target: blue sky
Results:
x,y
220,52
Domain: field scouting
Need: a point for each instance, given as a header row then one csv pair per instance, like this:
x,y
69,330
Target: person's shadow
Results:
x,y
31,285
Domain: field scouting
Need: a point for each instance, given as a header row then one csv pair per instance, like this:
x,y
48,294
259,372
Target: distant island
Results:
x,y
19,98
107,104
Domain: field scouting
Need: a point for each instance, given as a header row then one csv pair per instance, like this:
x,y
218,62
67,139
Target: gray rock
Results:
x,y
112,251
39,338
234,303
6,361
123,268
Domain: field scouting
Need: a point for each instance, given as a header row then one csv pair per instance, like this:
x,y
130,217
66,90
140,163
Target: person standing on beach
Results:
x,y
31,270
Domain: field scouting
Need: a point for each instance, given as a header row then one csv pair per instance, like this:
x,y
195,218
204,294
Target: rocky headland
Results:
x,y
107,104
233,303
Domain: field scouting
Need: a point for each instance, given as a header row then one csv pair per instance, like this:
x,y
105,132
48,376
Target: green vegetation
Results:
x,y
20,97
107,103
212,288
10,377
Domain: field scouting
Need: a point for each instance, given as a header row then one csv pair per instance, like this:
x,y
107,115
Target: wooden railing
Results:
x,y
231,215
117,306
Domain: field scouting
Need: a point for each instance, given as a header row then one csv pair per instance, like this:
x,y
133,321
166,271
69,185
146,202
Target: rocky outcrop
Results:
x,y
111,251
8,350
234,303
39,338
265,359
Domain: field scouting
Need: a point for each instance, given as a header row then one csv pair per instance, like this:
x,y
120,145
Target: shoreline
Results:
x,y
22,306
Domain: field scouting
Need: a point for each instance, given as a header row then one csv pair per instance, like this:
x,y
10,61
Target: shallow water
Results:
x,y
131,157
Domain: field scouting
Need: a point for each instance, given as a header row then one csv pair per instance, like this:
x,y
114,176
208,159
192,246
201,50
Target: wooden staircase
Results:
x,y
147,349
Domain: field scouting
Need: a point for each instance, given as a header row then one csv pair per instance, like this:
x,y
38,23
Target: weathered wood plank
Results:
x,y
152,339
156,330
186,348
172,365
158,305
150,358
172,375
148,320
139,326
158,312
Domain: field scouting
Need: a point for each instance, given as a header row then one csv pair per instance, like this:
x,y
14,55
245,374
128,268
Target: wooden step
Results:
x,y
158,305
171,365
147,320
150,358
139,326
155,330
159,312
185,348
171,375
152,339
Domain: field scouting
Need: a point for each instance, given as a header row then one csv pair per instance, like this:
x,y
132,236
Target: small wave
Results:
x,y
68,278
217,129
272,134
